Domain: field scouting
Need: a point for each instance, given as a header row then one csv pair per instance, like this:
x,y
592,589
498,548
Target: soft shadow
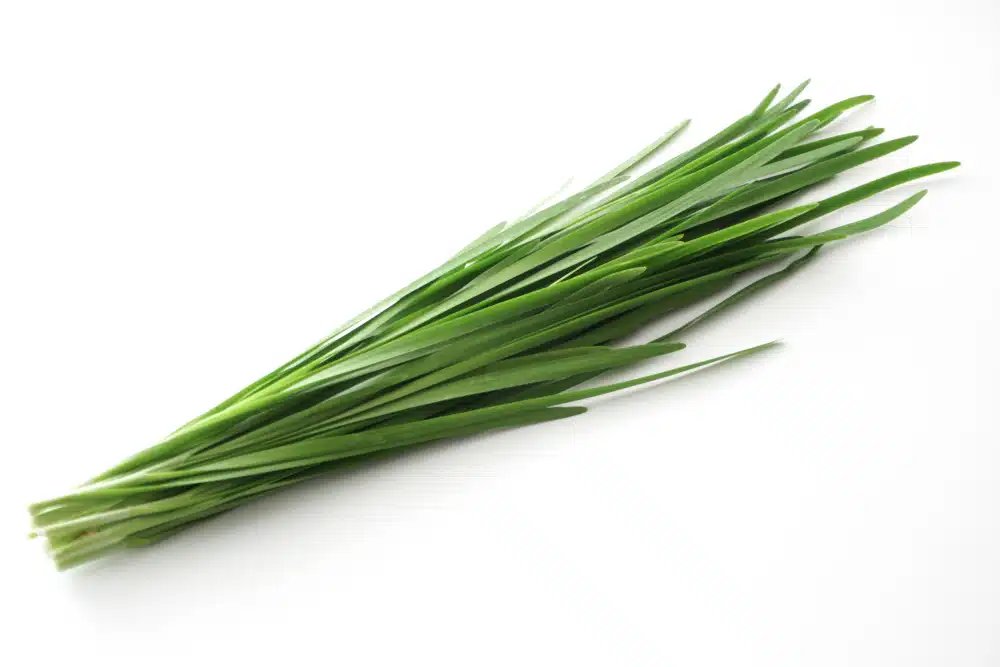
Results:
x,y
273,540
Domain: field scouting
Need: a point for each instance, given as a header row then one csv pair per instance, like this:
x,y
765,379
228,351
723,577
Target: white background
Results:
x,y
192,192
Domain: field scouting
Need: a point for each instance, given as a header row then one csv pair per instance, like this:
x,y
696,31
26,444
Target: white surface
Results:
x,y
194,191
